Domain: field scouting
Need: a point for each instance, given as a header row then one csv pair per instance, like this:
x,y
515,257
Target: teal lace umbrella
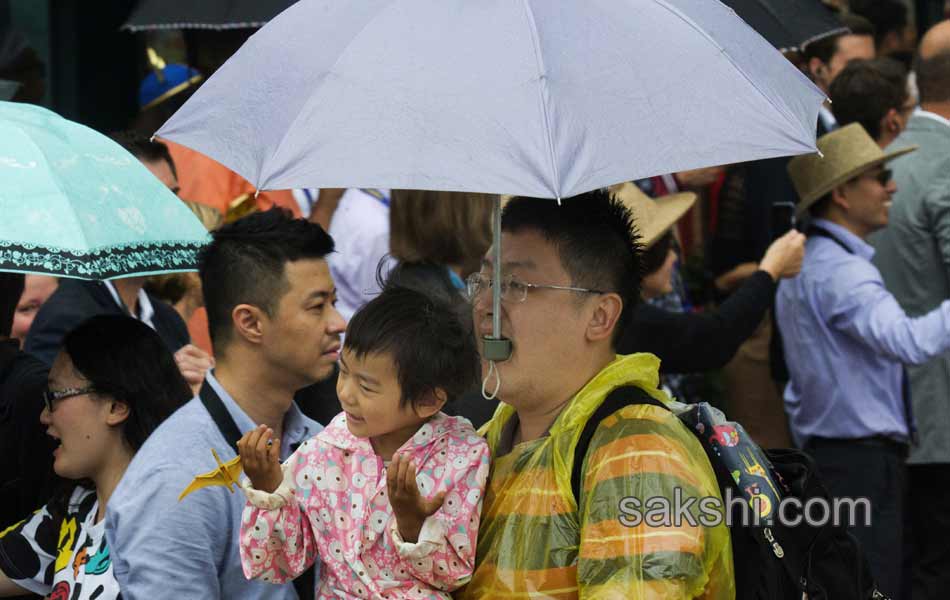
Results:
x,y
76,204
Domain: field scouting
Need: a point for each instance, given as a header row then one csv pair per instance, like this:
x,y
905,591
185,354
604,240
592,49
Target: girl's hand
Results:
x,y
261,459
409,507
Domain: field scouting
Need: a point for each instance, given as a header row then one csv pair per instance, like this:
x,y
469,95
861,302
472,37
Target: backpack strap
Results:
x,y
615,400
219,413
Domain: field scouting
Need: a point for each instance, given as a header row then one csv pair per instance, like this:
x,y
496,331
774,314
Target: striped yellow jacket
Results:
x,y
535,542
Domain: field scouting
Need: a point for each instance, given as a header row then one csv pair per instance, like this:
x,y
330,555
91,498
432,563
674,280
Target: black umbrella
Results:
x,y
204,14
788,24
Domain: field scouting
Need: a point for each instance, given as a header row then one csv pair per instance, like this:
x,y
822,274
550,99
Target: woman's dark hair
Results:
x,y
125,359
431,346
655,255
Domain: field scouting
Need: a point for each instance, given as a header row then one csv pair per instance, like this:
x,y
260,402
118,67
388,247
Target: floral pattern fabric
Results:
x,y
62,558
333,505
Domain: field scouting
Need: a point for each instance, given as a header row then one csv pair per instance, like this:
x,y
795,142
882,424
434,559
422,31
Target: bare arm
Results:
x,y
326,205
8,588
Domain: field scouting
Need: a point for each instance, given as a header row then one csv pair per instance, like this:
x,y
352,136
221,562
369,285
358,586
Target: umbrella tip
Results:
x,y
257,192
558,200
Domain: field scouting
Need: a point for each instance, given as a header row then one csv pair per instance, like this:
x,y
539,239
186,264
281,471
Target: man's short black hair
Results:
x,y
887,16
866,90
594,238
933,77
245,264
824,48
143,148
429,343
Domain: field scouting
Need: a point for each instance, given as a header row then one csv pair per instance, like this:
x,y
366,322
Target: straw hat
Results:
x,y
848,152
652,217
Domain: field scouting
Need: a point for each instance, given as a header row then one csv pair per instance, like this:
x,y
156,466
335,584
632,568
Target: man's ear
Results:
x,y
839,197
118,413
429,403
816,68
891,122
604,319
249,321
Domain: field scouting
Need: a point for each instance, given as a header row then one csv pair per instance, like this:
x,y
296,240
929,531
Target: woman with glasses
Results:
x,y
111,385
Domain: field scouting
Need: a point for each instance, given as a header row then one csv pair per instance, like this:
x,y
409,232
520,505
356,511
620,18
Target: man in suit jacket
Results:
x,y
913,254
826,57
75,301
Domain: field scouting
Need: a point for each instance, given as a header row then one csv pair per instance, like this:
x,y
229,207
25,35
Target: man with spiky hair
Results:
x,y
570,283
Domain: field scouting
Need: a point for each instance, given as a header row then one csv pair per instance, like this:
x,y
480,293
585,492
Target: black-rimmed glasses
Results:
x,y
52,397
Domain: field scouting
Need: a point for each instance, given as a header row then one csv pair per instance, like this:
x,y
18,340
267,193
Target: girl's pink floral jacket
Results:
x,y
333,505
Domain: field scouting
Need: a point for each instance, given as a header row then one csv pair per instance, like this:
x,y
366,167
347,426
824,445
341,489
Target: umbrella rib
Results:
x,y
779,109
542,83
264,175
800,43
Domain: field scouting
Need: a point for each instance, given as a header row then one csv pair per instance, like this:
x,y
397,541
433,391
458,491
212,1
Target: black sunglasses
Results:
x,y
884,177
51,397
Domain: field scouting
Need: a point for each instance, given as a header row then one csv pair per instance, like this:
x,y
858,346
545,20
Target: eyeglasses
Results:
x,y
52,397
883,177
513,290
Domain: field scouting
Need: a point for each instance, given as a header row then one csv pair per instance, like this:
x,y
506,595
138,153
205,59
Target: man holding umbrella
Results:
x,y
577,266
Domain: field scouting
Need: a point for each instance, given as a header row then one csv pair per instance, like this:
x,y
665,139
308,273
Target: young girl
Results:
x,y
389,494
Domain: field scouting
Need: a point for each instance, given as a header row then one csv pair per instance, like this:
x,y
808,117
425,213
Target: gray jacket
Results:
x,y
913,254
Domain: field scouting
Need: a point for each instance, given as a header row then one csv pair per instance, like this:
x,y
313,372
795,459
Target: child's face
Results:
x,y
369,392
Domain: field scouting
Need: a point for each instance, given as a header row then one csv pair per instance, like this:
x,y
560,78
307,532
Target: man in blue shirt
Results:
x,y
846,341
270,301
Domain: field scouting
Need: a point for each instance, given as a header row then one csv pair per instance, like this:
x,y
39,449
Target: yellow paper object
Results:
x,y
226,474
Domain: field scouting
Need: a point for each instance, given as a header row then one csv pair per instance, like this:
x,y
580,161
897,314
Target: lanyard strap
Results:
x,y
219,413
814,230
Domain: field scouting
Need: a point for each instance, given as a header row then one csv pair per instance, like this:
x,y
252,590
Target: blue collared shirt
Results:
x,y
845,338
163,548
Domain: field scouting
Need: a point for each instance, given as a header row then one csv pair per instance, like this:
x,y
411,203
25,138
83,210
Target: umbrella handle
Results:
x,y
496,348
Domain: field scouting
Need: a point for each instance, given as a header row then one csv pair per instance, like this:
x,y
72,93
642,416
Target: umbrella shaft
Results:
x,y
496,276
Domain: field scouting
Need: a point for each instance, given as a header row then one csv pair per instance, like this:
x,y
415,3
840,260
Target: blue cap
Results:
x,y
162,84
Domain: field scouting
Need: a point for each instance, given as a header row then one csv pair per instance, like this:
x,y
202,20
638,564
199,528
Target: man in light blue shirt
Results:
x,y
846,341
270,302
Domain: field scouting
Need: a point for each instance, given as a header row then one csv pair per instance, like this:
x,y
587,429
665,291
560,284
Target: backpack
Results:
x,y
771,561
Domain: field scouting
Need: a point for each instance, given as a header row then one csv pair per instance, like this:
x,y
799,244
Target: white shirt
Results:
x,y
146,310
926,114
827,118
360,232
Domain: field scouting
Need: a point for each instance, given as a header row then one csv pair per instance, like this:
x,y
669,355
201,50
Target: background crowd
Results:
x,y
807,300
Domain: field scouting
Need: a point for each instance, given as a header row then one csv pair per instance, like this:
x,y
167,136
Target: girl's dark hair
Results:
x,y
655,255
125,359
430,344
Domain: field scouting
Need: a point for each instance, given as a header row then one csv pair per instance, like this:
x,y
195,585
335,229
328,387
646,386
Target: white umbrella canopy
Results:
x,y
548,98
